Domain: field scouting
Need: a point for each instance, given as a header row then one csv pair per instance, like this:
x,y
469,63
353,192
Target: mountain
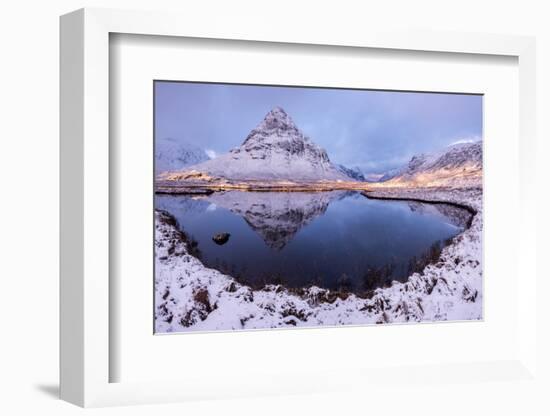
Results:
x,y
458,164
275,150
171,154
390,174
353,173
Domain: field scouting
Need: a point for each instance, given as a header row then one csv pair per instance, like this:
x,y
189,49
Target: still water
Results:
x,y
336,240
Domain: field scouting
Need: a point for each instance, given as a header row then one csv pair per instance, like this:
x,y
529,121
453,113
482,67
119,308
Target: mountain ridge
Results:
x,y
456,164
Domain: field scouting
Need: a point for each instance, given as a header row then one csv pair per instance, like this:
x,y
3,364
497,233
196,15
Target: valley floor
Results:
x,y
188,186
192,297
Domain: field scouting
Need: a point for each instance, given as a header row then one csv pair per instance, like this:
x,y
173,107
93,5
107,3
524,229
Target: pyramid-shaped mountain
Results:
x,y
275,150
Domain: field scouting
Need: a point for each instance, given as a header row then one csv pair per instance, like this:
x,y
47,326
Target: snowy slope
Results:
x,y
275,150
172,154
459,164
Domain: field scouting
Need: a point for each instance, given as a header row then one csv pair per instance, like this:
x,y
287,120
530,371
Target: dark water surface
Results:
x,y
336,240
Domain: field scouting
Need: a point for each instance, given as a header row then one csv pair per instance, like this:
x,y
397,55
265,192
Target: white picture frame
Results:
x,y
85,220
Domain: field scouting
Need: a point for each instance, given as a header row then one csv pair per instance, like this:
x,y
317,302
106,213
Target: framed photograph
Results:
x,y
236,210
372,216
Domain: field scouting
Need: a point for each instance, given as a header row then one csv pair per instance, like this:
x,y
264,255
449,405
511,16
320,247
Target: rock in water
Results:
x,y
221,238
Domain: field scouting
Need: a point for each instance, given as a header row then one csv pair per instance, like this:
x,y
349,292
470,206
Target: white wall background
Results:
x,y
29,209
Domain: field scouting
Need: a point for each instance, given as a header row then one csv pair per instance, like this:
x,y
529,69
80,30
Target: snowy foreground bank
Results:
x,y
192,297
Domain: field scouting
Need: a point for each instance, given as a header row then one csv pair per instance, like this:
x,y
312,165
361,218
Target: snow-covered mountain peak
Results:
x,y
275,150
277,129
277,118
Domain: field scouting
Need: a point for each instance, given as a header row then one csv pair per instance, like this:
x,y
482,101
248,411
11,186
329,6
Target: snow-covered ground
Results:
x,y
192,297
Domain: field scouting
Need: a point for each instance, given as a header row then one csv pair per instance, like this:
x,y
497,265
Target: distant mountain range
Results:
x,y
458,164
354,173
172,154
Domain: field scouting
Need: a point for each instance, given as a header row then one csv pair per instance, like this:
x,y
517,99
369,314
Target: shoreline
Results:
x,y
471,210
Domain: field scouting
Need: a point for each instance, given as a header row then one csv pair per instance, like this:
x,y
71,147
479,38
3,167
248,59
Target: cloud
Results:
x,y
212,154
